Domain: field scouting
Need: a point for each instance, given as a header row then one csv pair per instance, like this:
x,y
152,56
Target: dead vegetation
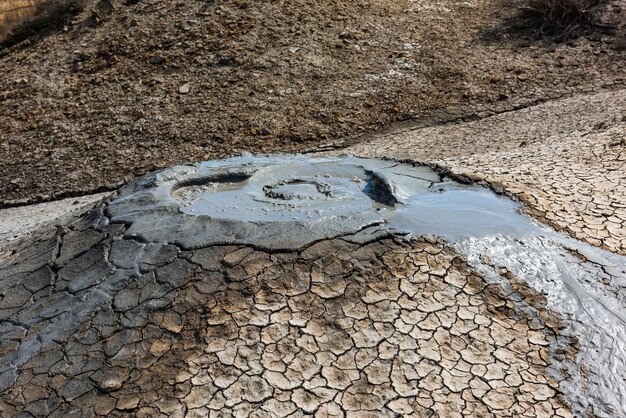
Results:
x,y
563,18
560,10
36,18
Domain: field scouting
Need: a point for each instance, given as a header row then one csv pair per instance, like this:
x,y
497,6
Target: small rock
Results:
x,y
157,60
184,89
104,7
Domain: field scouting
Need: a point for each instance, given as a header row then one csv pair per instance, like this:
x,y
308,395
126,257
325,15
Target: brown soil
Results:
x,y
151,84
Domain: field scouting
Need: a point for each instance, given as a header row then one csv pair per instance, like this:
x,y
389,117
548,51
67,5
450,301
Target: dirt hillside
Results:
x,y
132,86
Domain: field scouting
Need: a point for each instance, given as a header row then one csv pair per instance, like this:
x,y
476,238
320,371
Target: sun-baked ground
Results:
x,y
96,324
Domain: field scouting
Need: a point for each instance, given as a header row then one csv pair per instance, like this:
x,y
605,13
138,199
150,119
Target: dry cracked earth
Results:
x,y
95,323
382,328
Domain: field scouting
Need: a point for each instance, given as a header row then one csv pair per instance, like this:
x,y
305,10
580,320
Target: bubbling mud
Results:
x,y
289,202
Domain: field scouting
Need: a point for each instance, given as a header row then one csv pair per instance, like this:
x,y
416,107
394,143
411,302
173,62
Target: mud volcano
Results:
x,y
291,286
272,203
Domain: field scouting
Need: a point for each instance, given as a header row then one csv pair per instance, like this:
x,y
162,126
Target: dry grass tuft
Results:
x,y
560,17
563,9
46,17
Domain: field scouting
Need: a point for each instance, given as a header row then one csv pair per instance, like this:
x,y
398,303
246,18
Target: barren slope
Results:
x,y
163,82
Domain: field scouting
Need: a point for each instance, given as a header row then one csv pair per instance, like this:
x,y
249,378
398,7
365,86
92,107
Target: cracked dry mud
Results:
x,y
337,329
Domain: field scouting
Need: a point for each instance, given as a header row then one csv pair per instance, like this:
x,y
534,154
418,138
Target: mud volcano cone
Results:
x,y
274,286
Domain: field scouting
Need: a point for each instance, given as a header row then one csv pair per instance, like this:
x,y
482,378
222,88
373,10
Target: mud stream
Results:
x,y
585,285
282,202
